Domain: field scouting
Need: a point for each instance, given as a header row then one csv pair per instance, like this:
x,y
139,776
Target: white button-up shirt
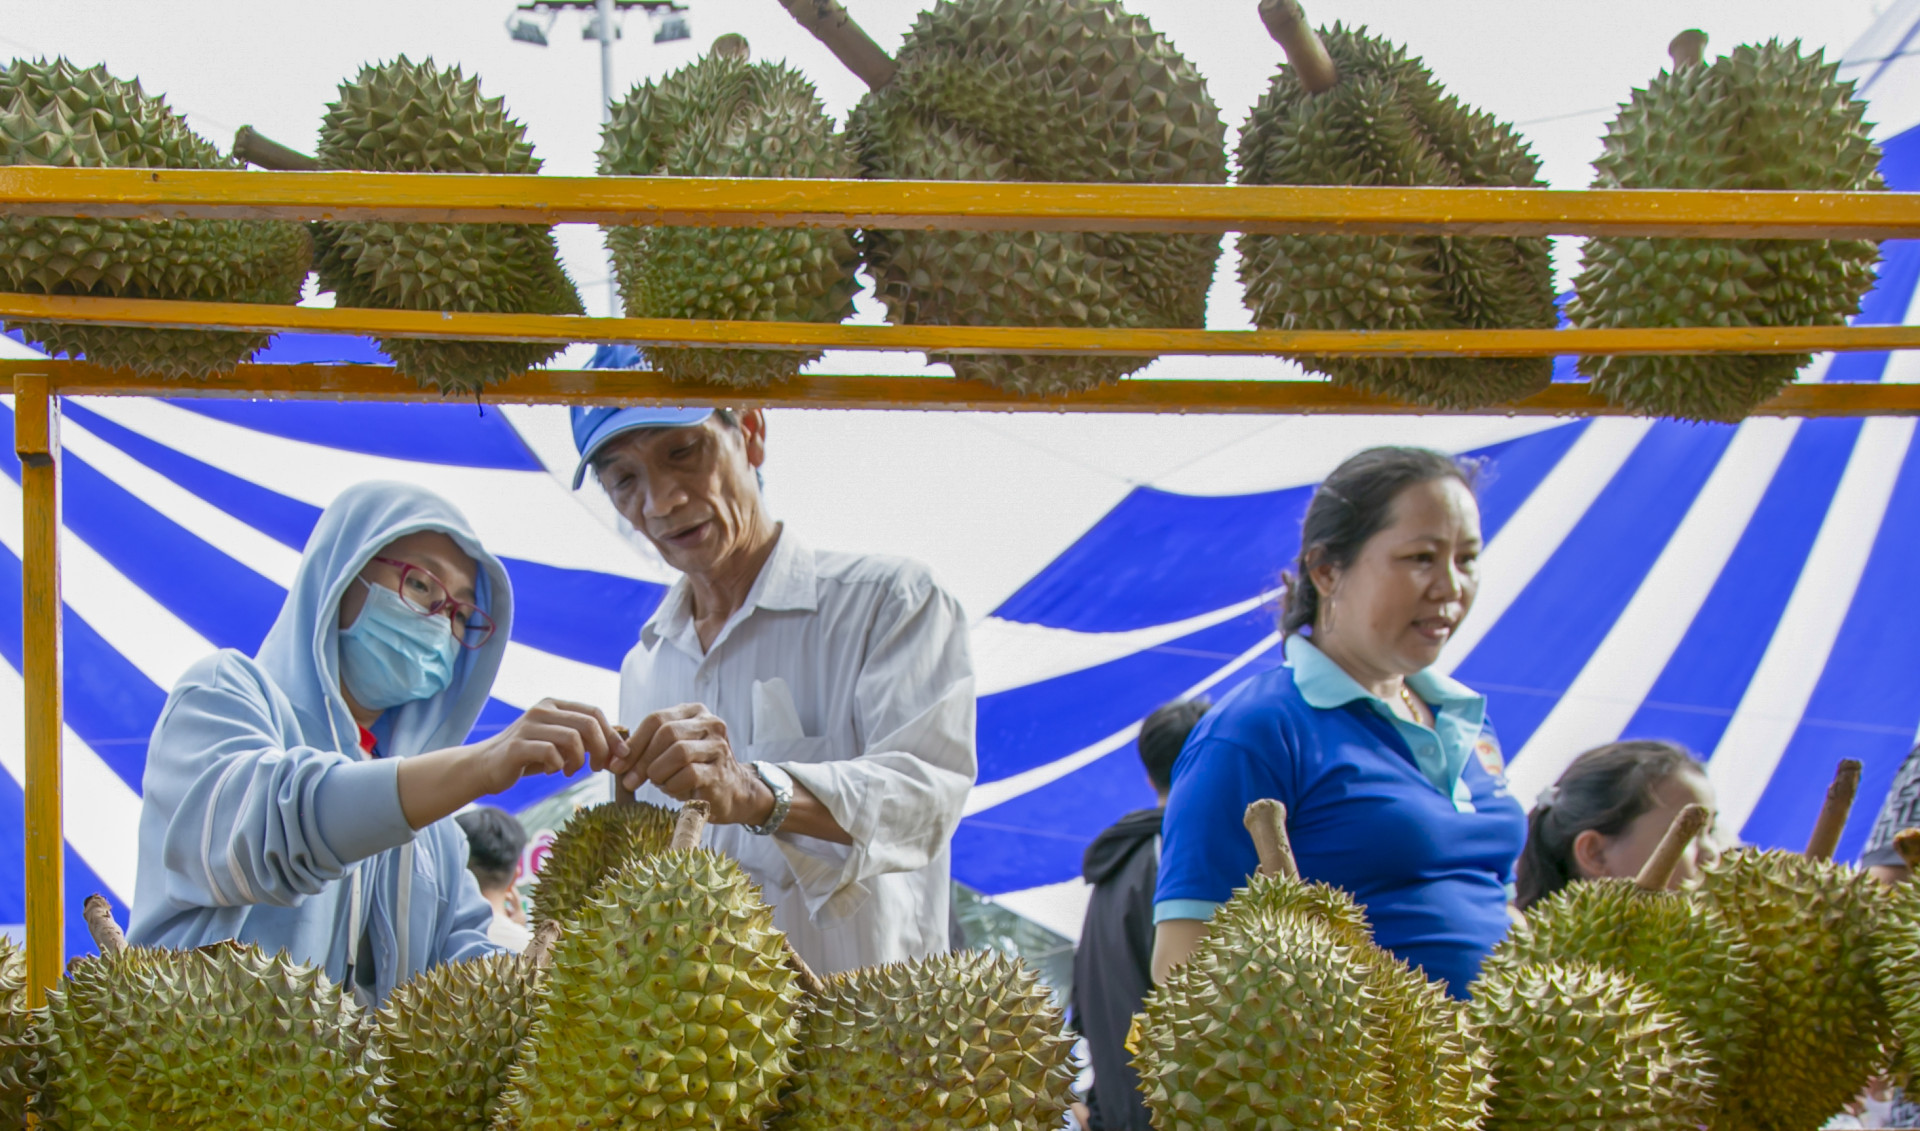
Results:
x,y
850,672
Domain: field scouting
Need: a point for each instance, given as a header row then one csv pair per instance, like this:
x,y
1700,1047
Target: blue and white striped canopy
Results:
x,y
1745,590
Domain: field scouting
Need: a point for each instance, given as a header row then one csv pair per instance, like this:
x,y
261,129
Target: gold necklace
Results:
x,y
1413,704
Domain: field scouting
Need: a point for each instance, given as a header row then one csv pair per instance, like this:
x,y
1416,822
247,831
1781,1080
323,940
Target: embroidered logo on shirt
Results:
x,y
1491,760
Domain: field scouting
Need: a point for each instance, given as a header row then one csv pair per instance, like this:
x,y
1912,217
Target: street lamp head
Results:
x,y
524,30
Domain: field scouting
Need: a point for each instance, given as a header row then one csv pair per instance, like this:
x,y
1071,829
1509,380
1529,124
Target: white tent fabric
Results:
x,y
1740,589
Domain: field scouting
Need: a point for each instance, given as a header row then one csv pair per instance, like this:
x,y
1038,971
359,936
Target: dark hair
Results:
x,y
1349,507
494,843
1606,789
1162,736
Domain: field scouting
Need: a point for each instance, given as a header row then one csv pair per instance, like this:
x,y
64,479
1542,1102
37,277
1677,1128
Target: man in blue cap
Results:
x,y
820,703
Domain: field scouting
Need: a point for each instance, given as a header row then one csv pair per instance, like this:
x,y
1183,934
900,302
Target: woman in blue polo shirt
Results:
x,y
1391,774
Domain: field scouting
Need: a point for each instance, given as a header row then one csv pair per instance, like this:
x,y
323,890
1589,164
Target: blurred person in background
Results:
x,y
1113,963
495,840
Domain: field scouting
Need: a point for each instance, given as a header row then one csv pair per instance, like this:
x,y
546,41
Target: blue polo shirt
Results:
x,y
1415,823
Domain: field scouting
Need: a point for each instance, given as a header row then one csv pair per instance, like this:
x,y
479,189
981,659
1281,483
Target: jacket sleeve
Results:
x,y
900,797
248,821
467,914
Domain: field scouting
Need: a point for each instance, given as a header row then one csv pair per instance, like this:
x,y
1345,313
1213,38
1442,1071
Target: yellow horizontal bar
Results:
x,y
627,386
952,205
806,336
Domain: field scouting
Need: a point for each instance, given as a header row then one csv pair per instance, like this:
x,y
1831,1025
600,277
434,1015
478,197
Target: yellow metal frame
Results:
x,y
160,194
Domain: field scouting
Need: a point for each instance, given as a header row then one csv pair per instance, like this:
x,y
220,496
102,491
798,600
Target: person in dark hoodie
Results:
x,y
1113,965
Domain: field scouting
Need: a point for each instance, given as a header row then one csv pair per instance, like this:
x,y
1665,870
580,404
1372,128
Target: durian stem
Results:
x,y
832,26
686,831
621,794
811,984
1658,871
540,950
256,149
1266,819
1907,843
1834,813
1688,49
1288,25
106,932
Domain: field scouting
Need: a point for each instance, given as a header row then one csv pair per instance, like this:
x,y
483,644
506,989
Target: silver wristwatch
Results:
x,y
780,782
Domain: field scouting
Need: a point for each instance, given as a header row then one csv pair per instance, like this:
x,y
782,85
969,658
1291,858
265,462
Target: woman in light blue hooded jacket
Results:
x,y
297,798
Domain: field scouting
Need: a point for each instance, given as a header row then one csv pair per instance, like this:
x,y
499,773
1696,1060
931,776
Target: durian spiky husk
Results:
x,y
950,1043
16,1036
1387,122
223,1038
447,1037
53,113
1764,117
591,847
1896,967
1580,1048
1041,90
726,117
669,1006
1676,945
405,117
1819,1027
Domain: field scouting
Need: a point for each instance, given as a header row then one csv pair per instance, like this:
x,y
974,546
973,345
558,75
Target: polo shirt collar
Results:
x,y
788,582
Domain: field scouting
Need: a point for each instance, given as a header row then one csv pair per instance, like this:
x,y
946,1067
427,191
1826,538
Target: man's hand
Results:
x,y
553,737
685,751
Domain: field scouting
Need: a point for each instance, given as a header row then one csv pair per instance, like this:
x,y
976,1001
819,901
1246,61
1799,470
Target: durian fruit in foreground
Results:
x,y
16,1036
405,117
723,116
57,114
1586,1049
591,847
952,1042
1809,923
1033,90
223,1038
447,1037
1764,117
1289,1015
1896,957
1378,117
669,1005
1674,944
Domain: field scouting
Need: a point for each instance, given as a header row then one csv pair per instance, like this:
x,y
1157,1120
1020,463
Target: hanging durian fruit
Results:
x,y
726,117
1674,944
405,117
1580,1048
1819,1026
948,1043
1351,108
1896,958
223,1038
447,1037
592,846
16,1036
1032,90
669,1005
1764,117
54,113
1289,1015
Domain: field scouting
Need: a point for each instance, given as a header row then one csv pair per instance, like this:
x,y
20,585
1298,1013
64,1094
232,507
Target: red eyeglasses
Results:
x,y
427,595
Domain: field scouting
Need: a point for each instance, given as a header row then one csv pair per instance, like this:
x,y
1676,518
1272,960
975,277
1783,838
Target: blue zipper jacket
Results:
x,y
259,806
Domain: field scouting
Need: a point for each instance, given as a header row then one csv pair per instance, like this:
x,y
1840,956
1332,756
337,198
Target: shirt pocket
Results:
x,y
794,750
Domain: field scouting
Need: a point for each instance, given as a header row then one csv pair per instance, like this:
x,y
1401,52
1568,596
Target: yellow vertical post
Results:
x,y
36,437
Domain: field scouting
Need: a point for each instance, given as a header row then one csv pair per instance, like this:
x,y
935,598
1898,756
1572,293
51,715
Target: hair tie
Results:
x,y
1548,798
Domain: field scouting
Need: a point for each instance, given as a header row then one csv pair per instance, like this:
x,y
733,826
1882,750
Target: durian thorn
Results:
x,y
621,794
1658,871
811,984
832,26
1288,25
257,149
1834,812
1907,843
1266,820
106,932
540,950
686,830
1688,49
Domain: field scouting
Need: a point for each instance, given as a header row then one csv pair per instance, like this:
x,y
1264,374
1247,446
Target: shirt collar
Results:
x,y
787,582
1326,685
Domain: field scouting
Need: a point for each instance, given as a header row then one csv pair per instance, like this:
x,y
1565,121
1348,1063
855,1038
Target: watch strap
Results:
x,y
780,784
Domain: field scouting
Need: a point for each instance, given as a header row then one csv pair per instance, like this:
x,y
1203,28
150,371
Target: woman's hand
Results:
x,y
554,736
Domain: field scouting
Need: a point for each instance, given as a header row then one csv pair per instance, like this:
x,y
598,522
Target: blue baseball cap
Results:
x,y
593,427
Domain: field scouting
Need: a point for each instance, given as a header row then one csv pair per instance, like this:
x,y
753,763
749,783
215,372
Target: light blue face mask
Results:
x,y
392,654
